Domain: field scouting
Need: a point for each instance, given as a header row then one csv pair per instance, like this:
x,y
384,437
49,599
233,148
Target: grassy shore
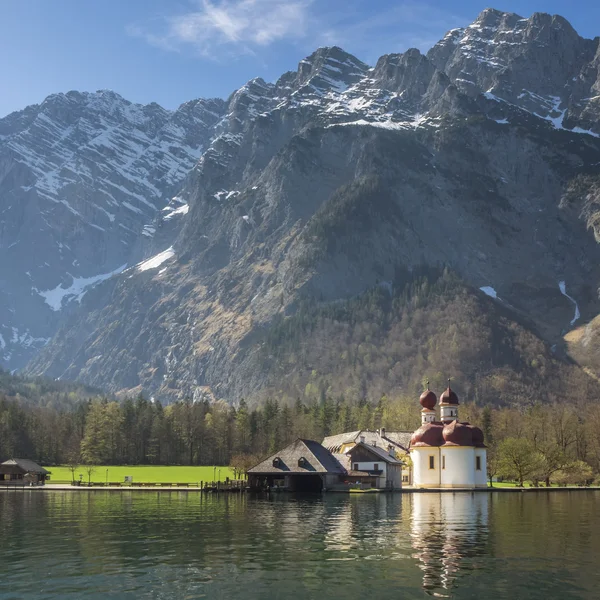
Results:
x,y
143,474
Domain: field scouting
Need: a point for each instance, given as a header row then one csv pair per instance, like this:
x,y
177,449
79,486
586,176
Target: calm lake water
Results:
x,y
184,545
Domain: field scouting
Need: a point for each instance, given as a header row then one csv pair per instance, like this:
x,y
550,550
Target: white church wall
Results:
x,y
481,473
458,466
423,474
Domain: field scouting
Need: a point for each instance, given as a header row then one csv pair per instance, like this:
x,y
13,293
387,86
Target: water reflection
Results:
x,y
150,545
449,532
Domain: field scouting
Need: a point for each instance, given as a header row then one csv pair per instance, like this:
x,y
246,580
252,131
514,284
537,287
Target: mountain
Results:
x,y
480,157
82,176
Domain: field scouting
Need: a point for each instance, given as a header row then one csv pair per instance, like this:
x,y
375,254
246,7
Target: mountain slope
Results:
x,y
331,180
80,176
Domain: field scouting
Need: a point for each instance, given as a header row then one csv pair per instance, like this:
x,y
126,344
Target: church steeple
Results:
x,y
428,401
449,405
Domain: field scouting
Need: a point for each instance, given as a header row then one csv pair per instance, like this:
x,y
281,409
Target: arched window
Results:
x,y
277,462
302,461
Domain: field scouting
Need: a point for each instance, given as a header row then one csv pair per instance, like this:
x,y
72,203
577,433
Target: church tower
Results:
x,y
448,406
428,400
447,453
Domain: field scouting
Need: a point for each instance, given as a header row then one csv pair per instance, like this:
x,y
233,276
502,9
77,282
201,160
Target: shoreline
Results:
x,y
196,489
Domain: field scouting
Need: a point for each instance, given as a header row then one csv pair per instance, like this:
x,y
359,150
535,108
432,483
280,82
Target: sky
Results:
x,y
171,51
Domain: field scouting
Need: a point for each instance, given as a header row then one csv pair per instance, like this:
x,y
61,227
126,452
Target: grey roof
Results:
x,y
401,439
380,452
344,460
335,442
318,460
27,465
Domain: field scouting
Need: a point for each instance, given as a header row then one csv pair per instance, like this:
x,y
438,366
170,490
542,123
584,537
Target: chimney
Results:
x,y
382,432
362,439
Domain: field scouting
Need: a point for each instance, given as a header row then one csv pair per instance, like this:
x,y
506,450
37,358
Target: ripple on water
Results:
x,y
387,546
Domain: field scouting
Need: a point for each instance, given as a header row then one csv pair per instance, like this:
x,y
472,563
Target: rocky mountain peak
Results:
x,y
409,73
329,68
314,189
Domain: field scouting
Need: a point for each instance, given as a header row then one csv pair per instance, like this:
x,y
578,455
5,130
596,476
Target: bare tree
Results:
x,y
90,469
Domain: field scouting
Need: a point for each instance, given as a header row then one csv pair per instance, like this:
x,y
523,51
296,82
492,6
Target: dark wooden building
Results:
x,y
304,466
20,471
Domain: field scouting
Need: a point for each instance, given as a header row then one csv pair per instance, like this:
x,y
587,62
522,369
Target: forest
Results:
x,y
544,441
357,364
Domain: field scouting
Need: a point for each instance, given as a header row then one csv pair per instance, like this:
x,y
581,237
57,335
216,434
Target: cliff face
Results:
x,y
81,178
480,156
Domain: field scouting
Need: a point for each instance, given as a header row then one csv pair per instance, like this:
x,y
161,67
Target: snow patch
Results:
x,y
181,210
489,291
156,261
563,290
54,298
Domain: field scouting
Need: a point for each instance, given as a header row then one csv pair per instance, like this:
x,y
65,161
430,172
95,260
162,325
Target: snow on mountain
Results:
x,y
81,177
230,187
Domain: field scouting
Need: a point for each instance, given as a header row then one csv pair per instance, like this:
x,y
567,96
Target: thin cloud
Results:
x,y
239,26
218,28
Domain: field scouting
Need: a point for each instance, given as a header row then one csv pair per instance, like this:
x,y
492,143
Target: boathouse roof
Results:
x,y
301,456
24,464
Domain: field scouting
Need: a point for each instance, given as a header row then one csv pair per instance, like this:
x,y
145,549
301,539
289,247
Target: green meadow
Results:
x,y
142,474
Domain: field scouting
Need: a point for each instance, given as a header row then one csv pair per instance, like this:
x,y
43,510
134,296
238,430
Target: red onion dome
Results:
x,y
458,434
449,397
478,440
428,399
429,434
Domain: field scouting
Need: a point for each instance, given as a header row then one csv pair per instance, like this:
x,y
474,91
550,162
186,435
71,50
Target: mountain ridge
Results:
x,y
471,141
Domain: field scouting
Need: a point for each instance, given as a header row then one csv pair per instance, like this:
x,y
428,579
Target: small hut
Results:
x,y
303,466
21,471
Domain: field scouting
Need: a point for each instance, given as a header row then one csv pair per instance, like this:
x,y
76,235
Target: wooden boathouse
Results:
x,y
21,471
303,466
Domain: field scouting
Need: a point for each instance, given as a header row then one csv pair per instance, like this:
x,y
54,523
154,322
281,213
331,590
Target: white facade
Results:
x,y
372,466
423,460
458,466
449,467
481,467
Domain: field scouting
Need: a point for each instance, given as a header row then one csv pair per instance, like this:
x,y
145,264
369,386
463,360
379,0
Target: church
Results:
x,y
447,453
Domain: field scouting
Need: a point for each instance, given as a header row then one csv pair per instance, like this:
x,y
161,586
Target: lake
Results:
x,y
186,545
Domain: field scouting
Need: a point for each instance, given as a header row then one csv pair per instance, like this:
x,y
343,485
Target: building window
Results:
x,y
375,466
444,462
356,467
478,463
404,478
432,462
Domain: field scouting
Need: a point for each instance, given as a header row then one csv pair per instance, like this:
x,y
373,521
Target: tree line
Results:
x,y
547,441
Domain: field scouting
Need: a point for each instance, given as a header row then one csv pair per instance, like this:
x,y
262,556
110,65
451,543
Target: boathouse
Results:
x,y
21,471
303,466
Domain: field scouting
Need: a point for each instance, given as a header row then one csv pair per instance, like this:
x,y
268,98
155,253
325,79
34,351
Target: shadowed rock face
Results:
x,y
479,155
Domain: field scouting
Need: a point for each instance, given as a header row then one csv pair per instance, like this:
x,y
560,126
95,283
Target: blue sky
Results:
x,y
170,51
